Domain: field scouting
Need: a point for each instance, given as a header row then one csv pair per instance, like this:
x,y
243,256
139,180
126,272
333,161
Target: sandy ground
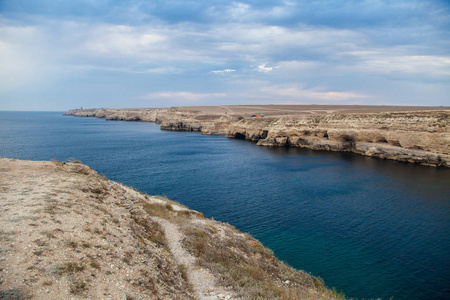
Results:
x,y
67,233
292,110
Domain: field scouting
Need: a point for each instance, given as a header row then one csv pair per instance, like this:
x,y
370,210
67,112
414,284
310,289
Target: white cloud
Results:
x,y
224,71
401,62
242,12
263,68
136,70
182,96
25,57
57,51
159,47
299,94
269,94
121,40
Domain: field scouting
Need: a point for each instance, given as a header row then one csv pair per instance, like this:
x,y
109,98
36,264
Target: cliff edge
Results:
x,y
68,233
418,135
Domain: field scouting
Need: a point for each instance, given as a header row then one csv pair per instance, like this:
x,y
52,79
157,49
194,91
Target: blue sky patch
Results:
x,y
58,55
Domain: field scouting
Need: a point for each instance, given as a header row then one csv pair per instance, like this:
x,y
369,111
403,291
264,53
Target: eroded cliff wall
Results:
x,y
415,136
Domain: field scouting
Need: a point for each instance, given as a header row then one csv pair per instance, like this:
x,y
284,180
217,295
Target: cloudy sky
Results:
x,y
57,55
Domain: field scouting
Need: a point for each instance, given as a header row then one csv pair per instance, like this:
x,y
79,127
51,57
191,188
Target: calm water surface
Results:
x,y
368,227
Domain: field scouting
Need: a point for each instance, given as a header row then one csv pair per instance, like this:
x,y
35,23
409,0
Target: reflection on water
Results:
x,y
418,178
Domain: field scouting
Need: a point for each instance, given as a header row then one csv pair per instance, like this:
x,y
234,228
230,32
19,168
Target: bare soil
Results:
x,y
293,110
68,233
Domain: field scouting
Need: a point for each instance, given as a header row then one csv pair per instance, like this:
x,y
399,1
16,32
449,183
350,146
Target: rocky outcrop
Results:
x,y
181,126
415,136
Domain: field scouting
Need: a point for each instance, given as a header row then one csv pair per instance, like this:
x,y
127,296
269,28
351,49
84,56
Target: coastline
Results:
x,y
419,135
69,232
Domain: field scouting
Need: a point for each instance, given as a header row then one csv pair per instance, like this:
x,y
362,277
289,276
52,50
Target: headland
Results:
x,y
419,135
69,233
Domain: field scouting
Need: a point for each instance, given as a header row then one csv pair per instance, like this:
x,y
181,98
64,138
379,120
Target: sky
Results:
x,y
60,54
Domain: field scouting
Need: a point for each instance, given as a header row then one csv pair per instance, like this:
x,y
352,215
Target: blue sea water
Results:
x,y
369,227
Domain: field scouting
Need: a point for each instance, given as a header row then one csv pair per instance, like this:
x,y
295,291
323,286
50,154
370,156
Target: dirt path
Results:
x,y
227,109
202,280
67,233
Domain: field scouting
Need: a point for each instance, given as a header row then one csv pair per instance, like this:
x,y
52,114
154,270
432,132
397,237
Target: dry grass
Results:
x,y
84,234
57,162
51,208
77,286
47,282
167,200
166,211
157,210
71,243
183,270
242,262
72,267
149,230
13,294
94,264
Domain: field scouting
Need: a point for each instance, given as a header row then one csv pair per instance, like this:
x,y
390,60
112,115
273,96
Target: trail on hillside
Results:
x,y
202,281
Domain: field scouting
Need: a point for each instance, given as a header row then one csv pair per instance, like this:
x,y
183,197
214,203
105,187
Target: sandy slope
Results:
x,y
68,233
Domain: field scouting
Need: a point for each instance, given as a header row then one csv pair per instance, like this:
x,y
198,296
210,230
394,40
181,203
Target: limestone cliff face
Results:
x,y
144,115
421,137
416,137
181,126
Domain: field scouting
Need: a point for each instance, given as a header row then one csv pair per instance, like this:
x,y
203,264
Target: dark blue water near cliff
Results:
x,y
369,227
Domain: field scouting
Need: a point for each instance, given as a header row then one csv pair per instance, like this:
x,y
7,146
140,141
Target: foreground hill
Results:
x,y
68,233
410,134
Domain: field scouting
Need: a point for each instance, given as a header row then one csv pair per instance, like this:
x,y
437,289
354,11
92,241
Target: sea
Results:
x,y
368,227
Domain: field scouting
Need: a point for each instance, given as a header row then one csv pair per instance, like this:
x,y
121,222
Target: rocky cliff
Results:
x,y
410,134
69,233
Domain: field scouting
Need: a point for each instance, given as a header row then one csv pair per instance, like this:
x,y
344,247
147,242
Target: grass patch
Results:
x,y
158,210
167,200
337,294
47,282
166,211
183,270
49,234
169,207
40,243
127,257
13,294
72,267
244,263
74,161
51,209
57,162
71,243
149,230
94,264
67,268
77,286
